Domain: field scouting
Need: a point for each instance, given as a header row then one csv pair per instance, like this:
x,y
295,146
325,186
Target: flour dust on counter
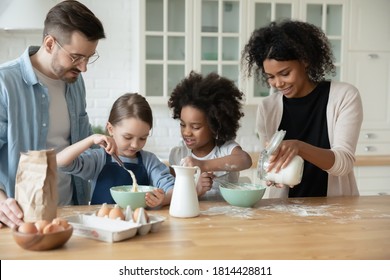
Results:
x,y
295,208
233,211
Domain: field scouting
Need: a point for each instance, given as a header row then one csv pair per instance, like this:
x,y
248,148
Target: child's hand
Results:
x,y
205,183
191,162
106,142
154,198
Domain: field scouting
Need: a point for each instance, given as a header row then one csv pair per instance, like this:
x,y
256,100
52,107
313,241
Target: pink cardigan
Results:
x,y
344,119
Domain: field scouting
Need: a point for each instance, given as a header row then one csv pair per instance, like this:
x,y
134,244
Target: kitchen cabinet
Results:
x,y
373,142
218,37
374,88
332,17
165,46
370,25
178,36
373,180
183,35
369,71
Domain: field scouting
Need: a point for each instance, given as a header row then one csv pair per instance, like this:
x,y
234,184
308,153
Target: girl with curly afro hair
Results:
x,y
322,119
209,110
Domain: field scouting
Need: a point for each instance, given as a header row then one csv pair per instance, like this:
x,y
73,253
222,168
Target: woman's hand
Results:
x,y
277,185
154,198
287,150
10,213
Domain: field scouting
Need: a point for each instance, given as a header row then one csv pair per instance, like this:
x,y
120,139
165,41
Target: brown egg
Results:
x,y
28,228
116,213
51,228
40,225
104,210
60,221
136,214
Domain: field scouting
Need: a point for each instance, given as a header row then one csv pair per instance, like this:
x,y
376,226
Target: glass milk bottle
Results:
x,y
291,175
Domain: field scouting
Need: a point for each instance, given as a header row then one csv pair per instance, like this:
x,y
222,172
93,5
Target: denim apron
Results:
x,y
114,175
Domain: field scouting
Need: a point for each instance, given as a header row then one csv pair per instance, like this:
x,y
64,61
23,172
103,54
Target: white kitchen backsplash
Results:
x,y
116,72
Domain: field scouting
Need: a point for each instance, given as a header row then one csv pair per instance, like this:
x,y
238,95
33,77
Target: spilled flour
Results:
x,y
233,211
337,212
301,210
297,210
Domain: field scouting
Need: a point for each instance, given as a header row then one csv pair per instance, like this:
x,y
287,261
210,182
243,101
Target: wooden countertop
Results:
x,y
372,160
360,160
307,228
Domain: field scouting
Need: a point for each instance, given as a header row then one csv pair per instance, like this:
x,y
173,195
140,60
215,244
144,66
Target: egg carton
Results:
x,y
112,230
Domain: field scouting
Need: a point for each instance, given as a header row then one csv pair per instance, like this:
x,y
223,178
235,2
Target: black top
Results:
x,y
304,119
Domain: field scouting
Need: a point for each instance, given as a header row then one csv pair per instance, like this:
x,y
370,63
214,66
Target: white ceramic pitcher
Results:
x,y
185,203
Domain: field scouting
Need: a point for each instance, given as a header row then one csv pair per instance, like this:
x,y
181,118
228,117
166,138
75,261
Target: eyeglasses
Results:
x,y
77,59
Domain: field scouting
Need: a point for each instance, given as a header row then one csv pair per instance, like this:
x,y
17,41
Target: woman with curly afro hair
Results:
x,y
322,119
209,110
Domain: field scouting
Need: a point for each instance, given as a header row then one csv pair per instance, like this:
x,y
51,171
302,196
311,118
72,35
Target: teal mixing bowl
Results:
x,y
242,194
123,196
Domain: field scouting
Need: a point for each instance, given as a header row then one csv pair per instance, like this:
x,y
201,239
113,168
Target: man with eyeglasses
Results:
x,y
43,101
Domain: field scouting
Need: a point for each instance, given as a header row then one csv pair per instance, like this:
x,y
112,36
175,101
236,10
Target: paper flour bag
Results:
x,y
36,185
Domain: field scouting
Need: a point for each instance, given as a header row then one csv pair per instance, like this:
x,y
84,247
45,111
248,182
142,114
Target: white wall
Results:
x,y
116,72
